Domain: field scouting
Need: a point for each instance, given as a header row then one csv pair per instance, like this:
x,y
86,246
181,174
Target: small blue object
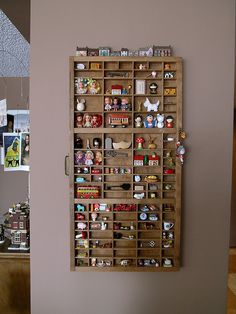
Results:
x,y
80,208
79,179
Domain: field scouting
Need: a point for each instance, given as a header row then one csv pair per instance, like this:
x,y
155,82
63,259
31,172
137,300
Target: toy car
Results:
x,y
125,262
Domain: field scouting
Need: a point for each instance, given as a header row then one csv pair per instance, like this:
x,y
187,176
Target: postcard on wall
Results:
x,y
25,151
3,112
12,151
7,128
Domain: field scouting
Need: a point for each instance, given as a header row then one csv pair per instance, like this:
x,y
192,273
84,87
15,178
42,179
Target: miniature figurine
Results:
x,y
124,91
153,88
78,142
103,225
93,262
89,156
96,142
107,105
140,141
180,151
96,121
150,122
80,87
151,144
169,122
115,104
138,121
124,104
167,263
160,120
80,104
94,216
129,88
137,178
98,158
79,120
93,87
79,158
151,107
88,144
87,121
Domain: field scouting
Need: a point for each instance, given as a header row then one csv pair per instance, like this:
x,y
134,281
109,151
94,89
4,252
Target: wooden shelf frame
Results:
x,y
169,105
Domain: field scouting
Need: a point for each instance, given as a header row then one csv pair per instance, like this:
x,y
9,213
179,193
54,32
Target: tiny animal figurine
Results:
x,y
151,107
89,156
160,120
138,121
79,120
169,122
150,122
107,105
153,88
87,121
80,104
151,144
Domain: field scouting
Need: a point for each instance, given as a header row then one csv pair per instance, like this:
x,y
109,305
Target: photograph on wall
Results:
x,y
12,151
25,151
21,120
3,112
7,128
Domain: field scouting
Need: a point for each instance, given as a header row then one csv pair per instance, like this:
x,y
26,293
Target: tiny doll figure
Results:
x,y
116,104
138,121
79,158
94,87
98,158
80,87
124,104
150,122
96,121
79,120
87,121
107,105
89,156
169,122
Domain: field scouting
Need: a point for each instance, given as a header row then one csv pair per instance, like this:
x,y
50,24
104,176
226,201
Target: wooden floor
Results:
x,y
232,282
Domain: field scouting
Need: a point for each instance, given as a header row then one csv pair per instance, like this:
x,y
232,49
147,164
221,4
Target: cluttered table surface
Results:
x,y
5,253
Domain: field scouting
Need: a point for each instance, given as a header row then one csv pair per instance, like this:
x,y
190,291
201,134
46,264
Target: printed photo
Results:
x,y
25,151
12,151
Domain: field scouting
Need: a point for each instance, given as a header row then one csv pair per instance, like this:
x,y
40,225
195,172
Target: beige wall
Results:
x,y
13,185
202,32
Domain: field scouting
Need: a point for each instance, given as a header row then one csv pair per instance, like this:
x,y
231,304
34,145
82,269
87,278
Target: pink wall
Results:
x,y
202,32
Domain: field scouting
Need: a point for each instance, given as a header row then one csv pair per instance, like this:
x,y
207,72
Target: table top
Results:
x,y
5,253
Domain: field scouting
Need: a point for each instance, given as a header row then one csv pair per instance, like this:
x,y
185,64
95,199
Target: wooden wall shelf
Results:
x,y
135,227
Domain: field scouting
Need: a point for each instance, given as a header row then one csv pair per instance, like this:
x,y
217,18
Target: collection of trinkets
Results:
x,y
151,51
117,166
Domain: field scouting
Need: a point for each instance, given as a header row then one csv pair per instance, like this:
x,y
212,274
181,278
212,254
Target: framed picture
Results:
x,y
140,87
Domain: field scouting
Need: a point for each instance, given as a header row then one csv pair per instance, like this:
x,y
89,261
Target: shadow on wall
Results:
x,y
233,198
